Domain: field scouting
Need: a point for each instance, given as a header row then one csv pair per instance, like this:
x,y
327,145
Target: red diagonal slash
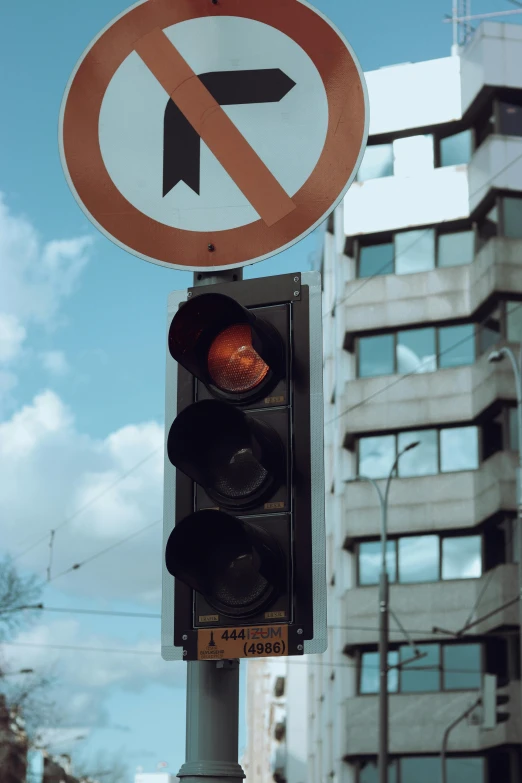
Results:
x,y
214,127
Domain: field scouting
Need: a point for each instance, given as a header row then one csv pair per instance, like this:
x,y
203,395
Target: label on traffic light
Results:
x,y
266,641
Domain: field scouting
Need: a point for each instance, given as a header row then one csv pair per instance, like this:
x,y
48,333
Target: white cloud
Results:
x,y
54,362
12,336
62,471
35,276
83,689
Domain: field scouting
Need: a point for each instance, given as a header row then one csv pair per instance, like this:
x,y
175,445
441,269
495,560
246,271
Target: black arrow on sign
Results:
x,y
182,144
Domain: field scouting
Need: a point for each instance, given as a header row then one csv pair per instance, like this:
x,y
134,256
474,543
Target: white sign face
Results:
x,y
200,136
287,134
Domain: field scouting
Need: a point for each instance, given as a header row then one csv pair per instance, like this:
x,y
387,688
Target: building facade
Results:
x,y
422,278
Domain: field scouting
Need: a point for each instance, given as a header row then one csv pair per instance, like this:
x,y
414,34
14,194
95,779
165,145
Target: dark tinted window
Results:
x,y
510,115
514,321
462,667
370,554
416,351
456,345
368,772
376,260
376,355
457,248
489,331
420,769
456,149
513,217
422,675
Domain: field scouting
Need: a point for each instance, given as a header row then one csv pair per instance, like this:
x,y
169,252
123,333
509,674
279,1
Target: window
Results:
x,y
423,460
370,562
369,773
514,321
490,331
441,667
456,149
488,226
416,351
376,260
428,558
369,672
459,449
461,667
461,557
512,217
376,455
510,118
456,248
456,345
377,162
422,675
419,559
414,251
376,355
427,769
413,155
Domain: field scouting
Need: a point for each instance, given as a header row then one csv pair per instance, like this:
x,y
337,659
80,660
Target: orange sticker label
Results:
x,y
265,641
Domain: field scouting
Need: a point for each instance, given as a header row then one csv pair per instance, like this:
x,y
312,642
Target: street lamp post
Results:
x,y
498,356
384,615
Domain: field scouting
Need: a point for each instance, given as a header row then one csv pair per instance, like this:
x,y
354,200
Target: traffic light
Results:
x,y
244,549
491,717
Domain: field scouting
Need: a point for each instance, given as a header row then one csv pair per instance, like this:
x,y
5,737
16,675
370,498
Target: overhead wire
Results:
x,y
86,505
403,377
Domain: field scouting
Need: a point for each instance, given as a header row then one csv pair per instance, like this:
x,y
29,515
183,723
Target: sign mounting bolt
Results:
x,y
299,646
296,293
296,279
185,653
299,631
185,637
211,247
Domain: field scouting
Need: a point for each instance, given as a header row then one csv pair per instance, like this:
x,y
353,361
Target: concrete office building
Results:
x,y
422,278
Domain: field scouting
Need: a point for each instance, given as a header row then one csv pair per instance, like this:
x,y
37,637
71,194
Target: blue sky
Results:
x,y
82,373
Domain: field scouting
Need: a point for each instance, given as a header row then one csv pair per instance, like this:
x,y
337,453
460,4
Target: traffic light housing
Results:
x,y
491,700
244,548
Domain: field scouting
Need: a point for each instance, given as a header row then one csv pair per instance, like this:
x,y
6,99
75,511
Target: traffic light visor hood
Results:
x,y
238,459
225,346
235,565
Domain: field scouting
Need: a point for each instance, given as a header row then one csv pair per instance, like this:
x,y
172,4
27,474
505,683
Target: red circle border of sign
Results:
x,y
179,248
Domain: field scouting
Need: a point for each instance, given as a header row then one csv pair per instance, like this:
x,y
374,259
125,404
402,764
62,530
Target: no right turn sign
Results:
x,y
207,136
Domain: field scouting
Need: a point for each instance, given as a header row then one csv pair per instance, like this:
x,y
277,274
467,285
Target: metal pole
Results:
x,y
383,678
445,739
212,686
212,723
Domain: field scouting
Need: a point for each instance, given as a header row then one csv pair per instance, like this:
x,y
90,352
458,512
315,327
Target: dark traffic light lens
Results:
x,y
239,460
237,583
237,566
242,476
233,363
